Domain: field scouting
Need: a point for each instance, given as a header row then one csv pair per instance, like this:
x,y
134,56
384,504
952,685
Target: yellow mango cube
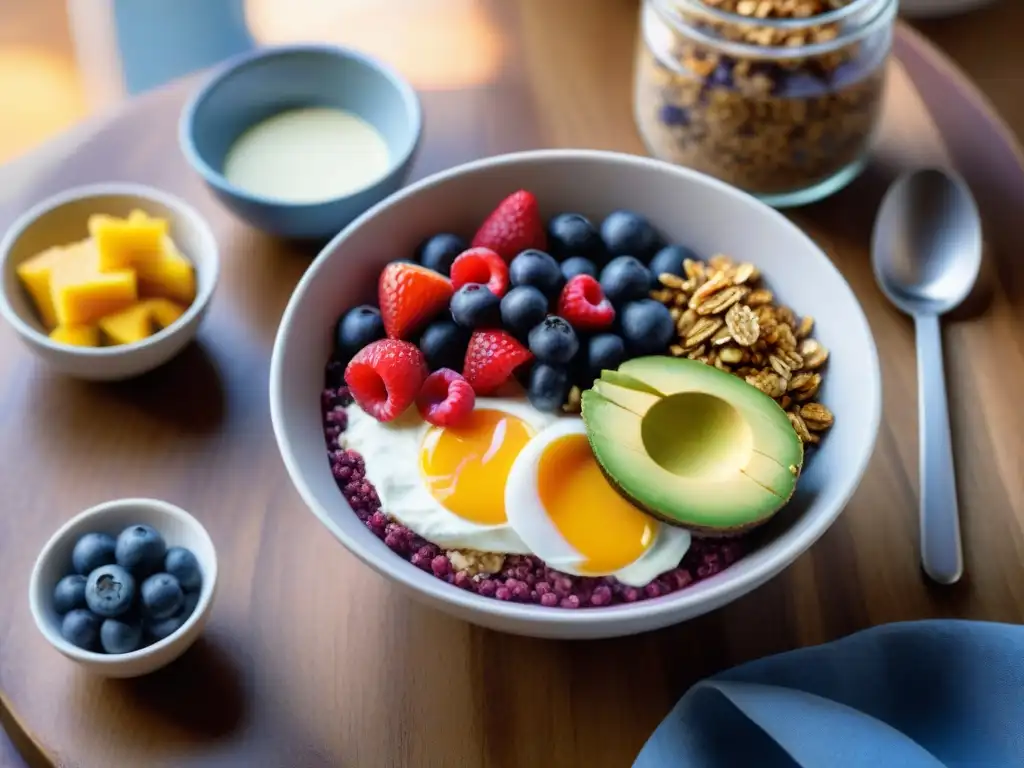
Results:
x,y
129,325
82,293
164,312
170,276
77,335
35,276
125,243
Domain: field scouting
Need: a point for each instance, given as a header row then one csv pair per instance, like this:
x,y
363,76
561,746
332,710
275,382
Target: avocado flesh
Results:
x,y
629,382
721,458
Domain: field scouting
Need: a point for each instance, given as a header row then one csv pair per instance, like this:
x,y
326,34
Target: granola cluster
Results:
x,y
727,318
771,125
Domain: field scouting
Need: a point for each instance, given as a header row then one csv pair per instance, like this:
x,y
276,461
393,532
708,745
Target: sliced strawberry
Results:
x,y
446,398
491,359
480,265
384,377
409,296
584,305
513,226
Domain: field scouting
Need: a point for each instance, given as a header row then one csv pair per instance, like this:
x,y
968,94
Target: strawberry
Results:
x,y
584,305
384,377
409,296
491,359
445,399
480,265
513,226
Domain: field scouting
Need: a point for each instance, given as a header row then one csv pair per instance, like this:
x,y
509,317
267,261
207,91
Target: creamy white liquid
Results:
x,y
307,155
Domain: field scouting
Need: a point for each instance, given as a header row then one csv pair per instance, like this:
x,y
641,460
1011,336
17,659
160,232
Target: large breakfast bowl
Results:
x,y
710,217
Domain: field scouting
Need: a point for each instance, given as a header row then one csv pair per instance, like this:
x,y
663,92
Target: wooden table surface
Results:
x,y
311,659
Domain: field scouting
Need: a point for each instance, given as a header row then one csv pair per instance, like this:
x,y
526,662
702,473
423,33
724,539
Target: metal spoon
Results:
x,y
926,253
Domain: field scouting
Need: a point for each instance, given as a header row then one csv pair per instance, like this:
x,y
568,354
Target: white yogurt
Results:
x,y
307,156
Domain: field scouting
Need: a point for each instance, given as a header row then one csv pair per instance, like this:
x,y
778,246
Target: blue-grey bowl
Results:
x,y
256,85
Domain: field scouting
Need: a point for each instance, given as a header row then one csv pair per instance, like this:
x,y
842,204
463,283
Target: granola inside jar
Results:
x,y
780,98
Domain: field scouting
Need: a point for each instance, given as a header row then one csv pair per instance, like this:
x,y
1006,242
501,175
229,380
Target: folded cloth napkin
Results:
x,y
927,694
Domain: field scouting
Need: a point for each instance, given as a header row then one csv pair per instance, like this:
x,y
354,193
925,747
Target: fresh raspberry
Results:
x,y
445,399
480,265
409,296
384,377
491,359
513,226
584,305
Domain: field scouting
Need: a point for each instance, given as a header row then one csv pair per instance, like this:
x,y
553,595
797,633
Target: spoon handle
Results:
x,y
941,554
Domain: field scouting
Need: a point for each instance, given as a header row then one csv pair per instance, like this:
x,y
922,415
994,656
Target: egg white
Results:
x,y
529,519
391,451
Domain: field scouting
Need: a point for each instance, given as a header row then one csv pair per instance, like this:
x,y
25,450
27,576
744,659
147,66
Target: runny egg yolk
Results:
x,y
465,467
607,531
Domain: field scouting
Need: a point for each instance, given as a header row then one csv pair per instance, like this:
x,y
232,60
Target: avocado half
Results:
x,y
692,445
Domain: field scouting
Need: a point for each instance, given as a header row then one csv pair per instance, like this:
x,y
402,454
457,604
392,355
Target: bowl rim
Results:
x,y
237,63
105,189
53,636
718,590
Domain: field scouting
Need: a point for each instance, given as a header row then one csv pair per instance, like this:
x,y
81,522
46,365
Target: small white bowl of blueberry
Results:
x,y
125,587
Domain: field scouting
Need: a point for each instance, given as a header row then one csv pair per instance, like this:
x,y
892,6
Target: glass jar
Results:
x,y
780,98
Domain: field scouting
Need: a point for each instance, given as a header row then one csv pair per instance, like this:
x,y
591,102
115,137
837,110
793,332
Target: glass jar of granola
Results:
x,y
780,98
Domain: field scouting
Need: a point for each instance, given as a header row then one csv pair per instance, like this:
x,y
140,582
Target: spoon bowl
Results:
x,y
926,248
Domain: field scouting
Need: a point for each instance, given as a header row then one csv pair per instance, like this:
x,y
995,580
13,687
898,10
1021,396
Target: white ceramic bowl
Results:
x,y
688,207
62,219
178,528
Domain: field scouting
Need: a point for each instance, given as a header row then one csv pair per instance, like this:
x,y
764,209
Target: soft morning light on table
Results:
x,y
440,44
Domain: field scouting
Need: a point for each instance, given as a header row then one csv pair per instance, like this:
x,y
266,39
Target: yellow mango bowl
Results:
x,y
108,281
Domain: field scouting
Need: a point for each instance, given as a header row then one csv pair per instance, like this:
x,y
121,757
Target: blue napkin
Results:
x,y
927,694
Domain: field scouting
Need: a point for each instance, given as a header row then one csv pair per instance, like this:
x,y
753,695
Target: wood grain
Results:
x,y
311,659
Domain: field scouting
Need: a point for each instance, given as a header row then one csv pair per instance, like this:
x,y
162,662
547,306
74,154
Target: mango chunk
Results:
x,y
164,312
77,335
82,293
129,325
35,276
125,243
170,276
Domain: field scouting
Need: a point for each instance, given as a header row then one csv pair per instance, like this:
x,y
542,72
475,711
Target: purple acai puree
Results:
x,y
523,578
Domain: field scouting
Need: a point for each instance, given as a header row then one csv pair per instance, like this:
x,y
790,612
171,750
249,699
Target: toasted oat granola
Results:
x,y
725,317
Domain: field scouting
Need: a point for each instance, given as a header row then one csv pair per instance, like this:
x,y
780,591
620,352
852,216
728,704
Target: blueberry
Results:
x,y
141,550
81,628
672,114
670,259
109,591
189,604
522,308
629,234
553,341
570,234
162,628
647,327
578,265
357,328
536,268
443,344
626,279
438,252
549,387
161,596
69,594
120,636
91,551
604,351
474,306
183,566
